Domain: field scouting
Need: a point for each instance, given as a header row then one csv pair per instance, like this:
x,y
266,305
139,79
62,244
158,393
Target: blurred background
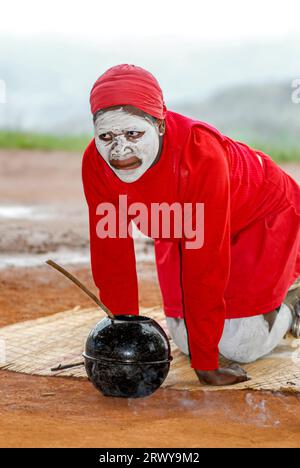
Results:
x,y
230,63
233,64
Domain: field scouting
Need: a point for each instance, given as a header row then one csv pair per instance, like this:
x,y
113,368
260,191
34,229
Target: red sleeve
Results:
x,y
112,259
167,256
205,270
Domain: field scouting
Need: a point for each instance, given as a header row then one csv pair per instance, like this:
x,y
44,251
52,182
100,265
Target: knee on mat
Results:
x,y
182,345
178,334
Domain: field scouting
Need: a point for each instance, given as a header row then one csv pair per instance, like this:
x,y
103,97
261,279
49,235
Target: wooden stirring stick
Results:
x,y
81,286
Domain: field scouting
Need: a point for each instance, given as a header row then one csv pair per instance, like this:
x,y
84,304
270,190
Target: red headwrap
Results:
x,y
128,85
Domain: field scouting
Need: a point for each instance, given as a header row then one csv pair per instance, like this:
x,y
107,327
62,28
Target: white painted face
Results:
x,y
128,143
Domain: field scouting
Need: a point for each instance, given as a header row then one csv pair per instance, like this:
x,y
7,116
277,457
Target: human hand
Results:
x,y
223,376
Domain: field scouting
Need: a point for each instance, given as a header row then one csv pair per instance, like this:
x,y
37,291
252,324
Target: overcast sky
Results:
x,y
96,20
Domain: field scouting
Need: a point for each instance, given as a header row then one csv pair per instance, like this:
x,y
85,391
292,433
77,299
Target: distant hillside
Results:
x,y
256,113
48,82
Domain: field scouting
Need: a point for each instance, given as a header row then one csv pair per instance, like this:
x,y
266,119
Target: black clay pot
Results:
x,y
127,357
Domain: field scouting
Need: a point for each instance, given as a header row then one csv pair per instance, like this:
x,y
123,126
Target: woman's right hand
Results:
x,y
223,376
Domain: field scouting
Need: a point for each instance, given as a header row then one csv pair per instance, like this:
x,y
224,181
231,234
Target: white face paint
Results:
x,y
128,143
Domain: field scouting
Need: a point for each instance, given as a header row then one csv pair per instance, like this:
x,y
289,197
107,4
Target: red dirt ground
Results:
x,y
60,412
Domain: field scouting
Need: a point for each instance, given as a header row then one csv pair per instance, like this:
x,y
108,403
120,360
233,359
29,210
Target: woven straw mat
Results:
x,y
35,346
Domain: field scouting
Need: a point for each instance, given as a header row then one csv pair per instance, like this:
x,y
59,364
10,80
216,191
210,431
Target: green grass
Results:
x,y
279,154
36,141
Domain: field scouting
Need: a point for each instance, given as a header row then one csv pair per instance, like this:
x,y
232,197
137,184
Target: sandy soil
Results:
x,y
63,412
60,412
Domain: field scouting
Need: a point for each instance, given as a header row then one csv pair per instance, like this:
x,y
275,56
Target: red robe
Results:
x,y
251,251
